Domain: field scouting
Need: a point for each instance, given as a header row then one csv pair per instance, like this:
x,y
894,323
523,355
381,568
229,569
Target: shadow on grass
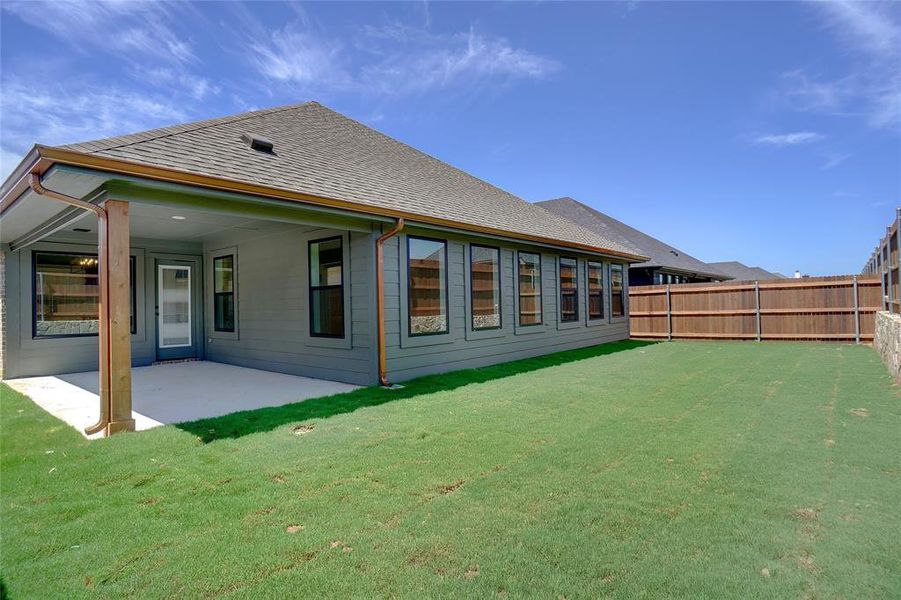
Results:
x,y
239,424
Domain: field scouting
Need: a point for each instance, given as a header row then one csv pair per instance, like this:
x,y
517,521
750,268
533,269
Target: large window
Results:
x,y
67,294
327,288
529,276
595,290
427,286
224,293
485,286
569,290
617,292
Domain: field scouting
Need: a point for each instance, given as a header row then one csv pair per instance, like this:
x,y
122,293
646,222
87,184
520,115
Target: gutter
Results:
x,y
103,267
380,298
46,156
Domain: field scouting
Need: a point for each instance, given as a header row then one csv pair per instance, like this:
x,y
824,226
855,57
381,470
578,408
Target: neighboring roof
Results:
x,y
320,153
743,272
660,253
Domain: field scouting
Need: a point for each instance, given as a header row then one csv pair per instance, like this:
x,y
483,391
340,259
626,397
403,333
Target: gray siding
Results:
x,y
272,295
273,298
27,356
409,357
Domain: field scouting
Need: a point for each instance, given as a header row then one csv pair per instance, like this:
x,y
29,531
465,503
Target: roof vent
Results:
x,y
258,143
674,253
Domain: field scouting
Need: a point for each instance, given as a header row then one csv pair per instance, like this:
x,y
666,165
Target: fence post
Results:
x,y
856,312
669,315
757,299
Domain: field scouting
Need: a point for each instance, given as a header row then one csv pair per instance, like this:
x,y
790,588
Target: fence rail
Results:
x,y
820,308
884,264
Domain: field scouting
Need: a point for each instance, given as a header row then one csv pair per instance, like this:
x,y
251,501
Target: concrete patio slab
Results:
x,y
175,393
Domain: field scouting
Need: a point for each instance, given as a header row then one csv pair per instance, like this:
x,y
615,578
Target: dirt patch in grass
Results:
x,y
806,514
293,528
303,429
451,488
471,573
807,563
861,412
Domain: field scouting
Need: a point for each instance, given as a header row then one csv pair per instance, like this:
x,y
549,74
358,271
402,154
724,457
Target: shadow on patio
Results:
x,y
266,419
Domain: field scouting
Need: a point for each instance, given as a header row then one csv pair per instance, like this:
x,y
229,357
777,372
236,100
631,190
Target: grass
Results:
x,y
679,470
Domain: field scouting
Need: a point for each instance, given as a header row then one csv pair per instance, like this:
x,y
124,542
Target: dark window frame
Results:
x,y
500,290
133,295
622,291
588,293
313,288
540,290
216,294
447,323
574,292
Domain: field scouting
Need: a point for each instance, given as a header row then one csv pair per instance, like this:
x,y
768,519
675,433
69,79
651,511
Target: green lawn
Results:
x,y
676,469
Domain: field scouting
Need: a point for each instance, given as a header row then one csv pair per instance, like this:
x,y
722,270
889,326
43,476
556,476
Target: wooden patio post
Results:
x,y
118,273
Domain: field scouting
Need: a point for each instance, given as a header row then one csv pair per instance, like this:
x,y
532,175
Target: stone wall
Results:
x,y
888,342
48,328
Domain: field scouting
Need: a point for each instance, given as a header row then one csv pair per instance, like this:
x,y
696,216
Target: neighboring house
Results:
x,y
666,265
741,272
269,240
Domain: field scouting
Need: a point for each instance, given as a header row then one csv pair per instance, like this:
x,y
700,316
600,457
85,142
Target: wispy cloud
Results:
x,y
423,62
788,139
869,26
834,160
64,113
291,55
124,28
393,59
871,34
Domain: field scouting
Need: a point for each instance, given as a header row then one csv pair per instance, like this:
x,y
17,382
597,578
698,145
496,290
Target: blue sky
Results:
x,y
768,133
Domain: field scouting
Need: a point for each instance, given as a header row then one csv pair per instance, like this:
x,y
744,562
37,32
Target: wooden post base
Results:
x,y
120,426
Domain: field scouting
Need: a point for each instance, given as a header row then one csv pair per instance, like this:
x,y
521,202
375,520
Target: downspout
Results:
x,y
103,259
380,297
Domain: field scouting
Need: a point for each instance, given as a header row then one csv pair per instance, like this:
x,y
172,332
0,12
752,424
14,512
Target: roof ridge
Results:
x,y
167,131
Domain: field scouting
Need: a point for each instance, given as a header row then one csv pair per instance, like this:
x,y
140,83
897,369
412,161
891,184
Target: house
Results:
x,y
742,272
666,264
292,239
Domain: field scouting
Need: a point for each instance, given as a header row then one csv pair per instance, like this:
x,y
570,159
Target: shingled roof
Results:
x,y
661,254
319,152
743,272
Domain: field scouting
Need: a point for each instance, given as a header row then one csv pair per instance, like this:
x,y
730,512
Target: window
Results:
x,y
427,286
224,293
529,276
617,298
485,287
595,290
569,290
327,288
67,294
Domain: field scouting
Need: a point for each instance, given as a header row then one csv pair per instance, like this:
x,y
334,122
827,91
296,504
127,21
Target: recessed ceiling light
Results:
x,y
179,217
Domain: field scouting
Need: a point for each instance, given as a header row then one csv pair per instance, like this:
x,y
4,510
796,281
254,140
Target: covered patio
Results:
x,y
174,393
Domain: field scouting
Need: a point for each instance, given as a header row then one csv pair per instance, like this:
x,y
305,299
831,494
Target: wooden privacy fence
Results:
x,y
820,308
